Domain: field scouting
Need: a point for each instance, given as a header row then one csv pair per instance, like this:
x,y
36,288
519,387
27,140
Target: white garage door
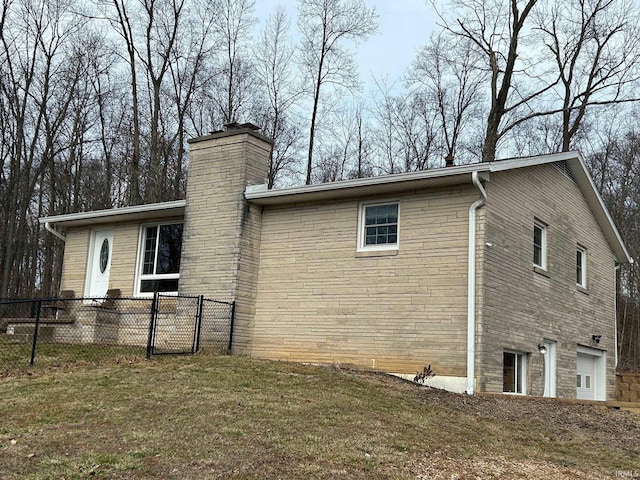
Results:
x,y
584,380
591,374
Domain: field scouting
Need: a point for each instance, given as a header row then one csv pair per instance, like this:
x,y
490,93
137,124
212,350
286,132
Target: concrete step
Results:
x,y
45,332
16,338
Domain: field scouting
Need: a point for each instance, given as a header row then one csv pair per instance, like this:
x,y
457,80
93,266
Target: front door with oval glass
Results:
x,y
99,263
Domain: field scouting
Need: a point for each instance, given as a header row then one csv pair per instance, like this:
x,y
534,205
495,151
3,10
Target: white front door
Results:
x,y
99,263
585,379
549,366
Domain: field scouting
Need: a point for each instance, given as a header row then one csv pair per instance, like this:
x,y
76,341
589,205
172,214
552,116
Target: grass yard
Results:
x,y
15,356
207,417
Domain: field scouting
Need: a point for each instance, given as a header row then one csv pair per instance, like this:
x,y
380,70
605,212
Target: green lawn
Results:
x,y
230,417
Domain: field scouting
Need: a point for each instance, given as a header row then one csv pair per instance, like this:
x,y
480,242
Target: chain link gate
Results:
x,y
181,324
174,326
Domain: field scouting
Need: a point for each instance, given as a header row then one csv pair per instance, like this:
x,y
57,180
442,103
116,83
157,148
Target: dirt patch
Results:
x,y
616,428
440,466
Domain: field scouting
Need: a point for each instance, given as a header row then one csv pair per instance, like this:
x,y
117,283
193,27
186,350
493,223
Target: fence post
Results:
x,y
233,316
35,332
154,307
196,334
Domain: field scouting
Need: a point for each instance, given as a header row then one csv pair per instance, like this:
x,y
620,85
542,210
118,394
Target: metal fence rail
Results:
x,y
68,329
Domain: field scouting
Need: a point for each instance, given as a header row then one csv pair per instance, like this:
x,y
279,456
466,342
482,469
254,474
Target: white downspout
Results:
x,y
49,228
471,287
615,314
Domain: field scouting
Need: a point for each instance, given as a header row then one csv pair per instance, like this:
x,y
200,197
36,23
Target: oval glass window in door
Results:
x,y
104,255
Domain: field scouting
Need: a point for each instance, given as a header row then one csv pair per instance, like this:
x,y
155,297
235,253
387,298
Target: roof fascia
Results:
x,y
292,194
513,163
118,214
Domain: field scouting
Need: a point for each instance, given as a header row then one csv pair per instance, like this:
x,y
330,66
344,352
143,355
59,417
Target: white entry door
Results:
x,y
549,366
99,263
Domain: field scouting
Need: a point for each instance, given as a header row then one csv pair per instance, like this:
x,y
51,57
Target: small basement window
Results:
x,y
161,246
581,267
378,226
539,245
514,372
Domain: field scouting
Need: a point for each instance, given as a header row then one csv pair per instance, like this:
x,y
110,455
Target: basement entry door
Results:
x,y
99,263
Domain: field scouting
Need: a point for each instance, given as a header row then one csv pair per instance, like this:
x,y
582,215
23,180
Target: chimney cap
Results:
x,y
448,160
233,128
239,126
236,126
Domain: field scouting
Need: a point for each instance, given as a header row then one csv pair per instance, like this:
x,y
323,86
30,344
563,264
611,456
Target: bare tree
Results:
x,y
274,60
595,45
446,76
39,82
162,21
326,26
125,28
408,132
363,149
493,30
616,172
186,67
234,75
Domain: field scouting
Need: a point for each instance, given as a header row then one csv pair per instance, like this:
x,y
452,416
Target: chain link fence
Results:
x,y
65,330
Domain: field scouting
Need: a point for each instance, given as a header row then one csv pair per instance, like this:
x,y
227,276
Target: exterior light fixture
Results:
x,y
596,338
542,348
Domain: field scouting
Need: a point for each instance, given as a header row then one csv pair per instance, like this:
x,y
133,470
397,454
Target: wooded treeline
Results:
x,y
98,98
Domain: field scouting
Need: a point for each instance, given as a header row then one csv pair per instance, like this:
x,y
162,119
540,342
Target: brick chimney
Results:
x,y
220,250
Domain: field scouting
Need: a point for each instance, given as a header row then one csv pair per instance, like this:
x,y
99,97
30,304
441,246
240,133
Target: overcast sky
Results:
x,y
403,26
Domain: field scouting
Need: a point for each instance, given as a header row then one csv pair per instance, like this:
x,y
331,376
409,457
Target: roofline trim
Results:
x,y
255,192
149,207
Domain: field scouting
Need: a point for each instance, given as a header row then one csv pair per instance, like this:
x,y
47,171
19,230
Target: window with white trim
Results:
x,y
160,249
514,372
539,245
378,226
581,267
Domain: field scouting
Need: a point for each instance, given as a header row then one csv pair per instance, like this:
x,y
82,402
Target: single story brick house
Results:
x,y
499,275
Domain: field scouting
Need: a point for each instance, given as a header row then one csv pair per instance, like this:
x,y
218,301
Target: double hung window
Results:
x,y
540,245
581,267
379,226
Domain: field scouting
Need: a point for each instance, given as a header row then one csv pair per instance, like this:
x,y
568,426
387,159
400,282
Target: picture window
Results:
x,y
161,247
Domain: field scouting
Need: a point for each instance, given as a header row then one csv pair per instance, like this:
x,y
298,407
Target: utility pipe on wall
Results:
x,y
471,287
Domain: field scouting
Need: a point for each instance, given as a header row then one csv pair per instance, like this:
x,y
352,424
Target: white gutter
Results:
x,y
471,287
49,228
